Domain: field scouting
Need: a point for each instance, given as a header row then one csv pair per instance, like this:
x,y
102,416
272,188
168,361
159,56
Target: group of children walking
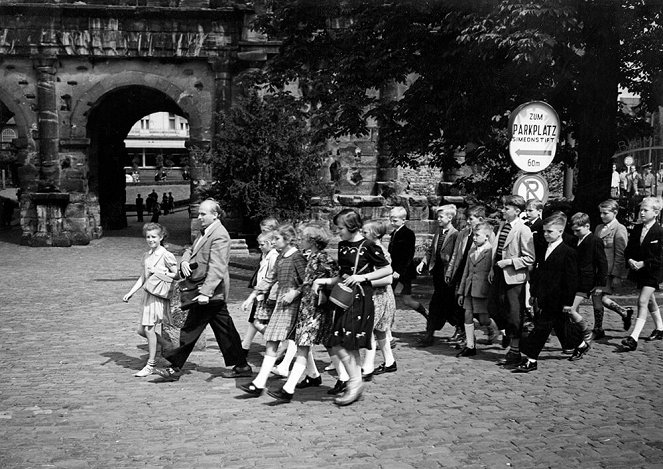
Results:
x,y
481,276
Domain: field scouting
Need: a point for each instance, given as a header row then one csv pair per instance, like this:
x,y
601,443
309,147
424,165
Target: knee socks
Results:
x,y
341,373
637,329
469,335
311,369
369,358
296,373
284,366
656,316
388,355
267,364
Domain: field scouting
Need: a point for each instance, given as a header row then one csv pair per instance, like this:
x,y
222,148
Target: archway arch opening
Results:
x,y
109,126
8,153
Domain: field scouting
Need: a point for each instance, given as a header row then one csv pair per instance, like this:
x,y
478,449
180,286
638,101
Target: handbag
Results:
x,y
190,289
158,284
343,295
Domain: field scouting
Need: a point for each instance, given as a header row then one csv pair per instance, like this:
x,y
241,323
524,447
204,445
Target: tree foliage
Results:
x,y
263,161
465,67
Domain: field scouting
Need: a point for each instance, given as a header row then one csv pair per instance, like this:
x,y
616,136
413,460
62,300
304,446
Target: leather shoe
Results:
x,y
168,374
628,319
525,367
338,388
629,344
385,369
238,372
511,358
425,342
308,382
280,395
578,353
655,335
252,389
367,377
598,333
467,352
352,394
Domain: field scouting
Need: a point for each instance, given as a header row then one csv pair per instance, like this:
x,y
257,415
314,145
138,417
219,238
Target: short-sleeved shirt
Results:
x,y
371,257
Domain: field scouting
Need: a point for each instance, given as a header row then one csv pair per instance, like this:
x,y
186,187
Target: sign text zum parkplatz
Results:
x,y
534,131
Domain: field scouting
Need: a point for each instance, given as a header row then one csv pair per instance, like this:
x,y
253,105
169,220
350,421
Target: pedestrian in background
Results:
x,y
155,261
139,208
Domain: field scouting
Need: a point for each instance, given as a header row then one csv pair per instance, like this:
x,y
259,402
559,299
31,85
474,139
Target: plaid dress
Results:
x,y
290,276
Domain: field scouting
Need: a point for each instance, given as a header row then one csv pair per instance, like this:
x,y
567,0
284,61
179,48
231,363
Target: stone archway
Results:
x,y
109,120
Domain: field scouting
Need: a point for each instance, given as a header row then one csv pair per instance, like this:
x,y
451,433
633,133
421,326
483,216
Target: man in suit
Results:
x,y
401,249
554,284
442,302
139,208
513,255
208,259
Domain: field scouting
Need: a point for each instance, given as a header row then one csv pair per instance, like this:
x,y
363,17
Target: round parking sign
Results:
x,y
531,187
534,133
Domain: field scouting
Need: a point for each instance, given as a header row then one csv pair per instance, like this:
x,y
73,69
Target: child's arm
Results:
x,y
600,266
135,288
619,243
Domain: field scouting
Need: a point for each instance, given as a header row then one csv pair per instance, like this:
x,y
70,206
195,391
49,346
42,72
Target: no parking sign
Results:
x,y
531,187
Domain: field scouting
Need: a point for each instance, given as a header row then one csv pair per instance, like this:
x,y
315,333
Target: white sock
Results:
x,y
290,353
267,364
386,352
637,329
656,315
248,337
369,357
389,337
293,378
311,369
340,369
469,335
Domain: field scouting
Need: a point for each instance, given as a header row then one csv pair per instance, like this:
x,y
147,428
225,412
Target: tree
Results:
x,y
467,65
263,161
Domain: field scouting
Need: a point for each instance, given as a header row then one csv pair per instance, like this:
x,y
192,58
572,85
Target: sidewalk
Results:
x,y
68,398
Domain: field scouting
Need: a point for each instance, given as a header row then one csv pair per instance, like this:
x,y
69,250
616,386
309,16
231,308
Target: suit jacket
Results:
x,y
540,243
211,254
401,248
475,275
445,252
615,238
518,246
592,263
649,251
554,281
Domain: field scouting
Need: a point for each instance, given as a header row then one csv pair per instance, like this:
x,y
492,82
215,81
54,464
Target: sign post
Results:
x,y
534,130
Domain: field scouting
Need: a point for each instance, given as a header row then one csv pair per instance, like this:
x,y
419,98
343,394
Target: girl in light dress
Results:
x,y
157,259
385,310
314,319
290,267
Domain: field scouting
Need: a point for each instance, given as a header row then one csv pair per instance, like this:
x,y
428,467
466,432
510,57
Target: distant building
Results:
x,y
158,140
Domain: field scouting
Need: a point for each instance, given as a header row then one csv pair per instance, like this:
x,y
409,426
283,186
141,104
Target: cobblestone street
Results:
x,y
68,397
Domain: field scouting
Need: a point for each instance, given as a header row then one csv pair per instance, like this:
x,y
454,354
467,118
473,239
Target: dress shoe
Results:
x,y
568,351
280,395
425,342
168,374
308,382
338,388
655,335
467,352
252,390
385,369
578,353
506,341
628,319
511,358
525,367
238,372
598,333
368,377
629,344
351,394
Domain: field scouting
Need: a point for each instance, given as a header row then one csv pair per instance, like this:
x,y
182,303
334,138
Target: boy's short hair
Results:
x,y
535,204
478,211
609,204
561,214
399,212
654,202
580,219
484,226
449,209
556,219
516,201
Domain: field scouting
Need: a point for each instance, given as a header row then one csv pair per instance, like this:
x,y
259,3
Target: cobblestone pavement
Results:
x,y
68,397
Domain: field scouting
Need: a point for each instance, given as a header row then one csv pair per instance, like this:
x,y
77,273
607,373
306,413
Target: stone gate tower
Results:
x,y
75,76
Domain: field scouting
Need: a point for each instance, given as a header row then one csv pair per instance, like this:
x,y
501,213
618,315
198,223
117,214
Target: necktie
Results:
x,y
502,239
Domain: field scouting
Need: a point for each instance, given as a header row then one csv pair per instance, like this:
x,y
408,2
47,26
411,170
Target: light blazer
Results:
x,y
615,238
474,282
519,247
211,255
445,251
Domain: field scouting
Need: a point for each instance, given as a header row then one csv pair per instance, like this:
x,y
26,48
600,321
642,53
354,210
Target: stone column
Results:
x,y
385,172
47,124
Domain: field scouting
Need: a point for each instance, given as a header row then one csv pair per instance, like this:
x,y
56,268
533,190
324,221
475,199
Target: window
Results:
x,y
8,135
171,121
145,123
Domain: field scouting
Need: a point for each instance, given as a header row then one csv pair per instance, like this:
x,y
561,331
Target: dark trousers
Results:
x,y
139,215
217,316
442,306
536,340
505,303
